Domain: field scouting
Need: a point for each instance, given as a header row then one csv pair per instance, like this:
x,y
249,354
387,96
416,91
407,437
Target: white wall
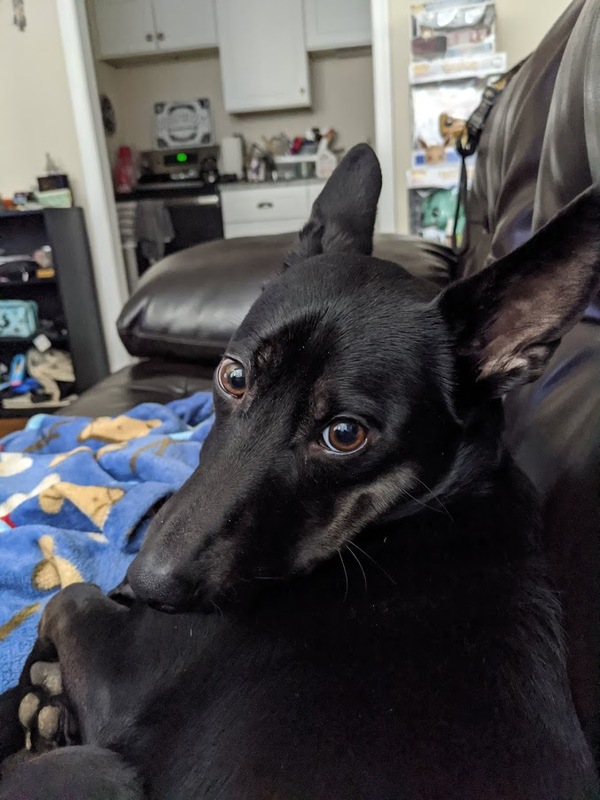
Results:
x,y
107,78
37,115
342,90
521,26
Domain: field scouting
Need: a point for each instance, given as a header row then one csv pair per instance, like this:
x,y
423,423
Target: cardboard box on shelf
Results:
x,y
448,29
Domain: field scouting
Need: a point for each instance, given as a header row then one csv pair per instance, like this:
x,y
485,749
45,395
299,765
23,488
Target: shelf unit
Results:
x,y
482,65
456,79
13,284
67,303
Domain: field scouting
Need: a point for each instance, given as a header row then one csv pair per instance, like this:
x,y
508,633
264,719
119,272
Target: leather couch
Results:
x,y
539,149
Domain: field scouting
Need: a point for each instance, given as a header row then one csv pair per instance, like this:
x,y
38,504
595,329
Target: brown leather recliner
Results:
x,y
540,148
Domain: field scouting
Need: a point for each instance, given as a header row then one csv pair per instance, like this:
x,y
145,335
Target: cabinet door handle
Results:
x,y
160,37
149,37
264,205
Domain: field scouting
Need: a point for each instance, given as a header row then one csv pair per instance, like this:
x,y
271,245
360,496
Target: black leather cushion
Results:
x,y
154,381
188,305
565,161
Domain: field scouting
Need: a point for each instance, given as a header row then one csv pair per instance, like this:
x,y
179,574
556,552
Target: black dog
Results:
x,y
380,623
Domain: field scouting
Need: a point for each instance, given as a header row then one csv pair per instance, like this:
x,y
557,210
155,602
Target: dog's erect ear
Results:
x,y
343,215
510,317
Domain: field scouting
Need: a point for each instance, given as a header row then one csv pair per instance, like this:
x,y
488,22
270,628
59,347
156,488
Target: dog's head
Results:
x,y
351,393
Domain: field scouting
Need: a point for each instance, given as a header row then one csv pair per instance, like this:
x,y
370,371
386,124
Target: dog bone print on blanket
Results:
x,y
76,497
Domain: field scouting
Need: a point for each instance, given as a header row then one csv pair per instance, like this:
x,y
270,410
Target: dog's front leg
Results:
x,y
12,734
64,675
62,684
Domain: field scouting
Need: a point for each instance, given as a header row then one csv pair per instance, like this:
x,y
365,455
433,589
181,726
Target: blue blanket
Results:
x,y
76,497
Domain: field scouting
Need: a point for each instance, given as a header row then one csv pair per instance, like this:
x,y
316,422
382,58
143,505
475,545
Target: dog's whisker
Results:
x,y
435,497
377,564
339,552
357,559
421,503
218,608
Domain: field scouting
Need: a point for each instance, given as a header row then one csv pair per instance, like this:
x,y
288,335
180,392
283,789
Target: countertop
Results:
x,y
241,186
191,189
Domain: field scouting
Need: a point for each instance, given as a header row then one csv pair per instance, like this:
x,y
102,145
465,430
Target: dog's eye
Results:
x,y
232,377
344,436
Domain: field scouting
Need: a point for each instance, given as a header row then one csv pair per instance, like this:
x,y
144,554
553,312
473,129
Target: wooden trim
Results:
x,y
12,424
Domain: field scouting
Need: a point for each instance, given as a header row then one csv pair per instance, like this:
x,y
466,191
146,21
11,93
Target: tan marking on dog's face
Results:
x,y
355,511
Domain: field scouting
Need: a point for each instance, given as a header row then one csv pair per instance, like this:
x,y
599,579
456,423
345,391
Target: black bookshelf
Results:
x,y
68,299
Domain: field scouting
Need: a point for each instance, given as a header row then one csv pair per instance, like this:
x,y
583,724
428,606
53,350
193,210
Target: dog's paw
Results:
x,y
43,711
63,609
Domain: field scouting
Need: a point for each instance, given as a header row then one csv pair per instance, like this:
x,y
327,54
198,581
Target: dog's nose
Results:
x,y
155,581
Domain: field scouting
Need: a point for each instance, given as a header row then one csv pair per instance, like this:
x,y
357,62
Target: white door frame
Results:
x,y
384,113
103,228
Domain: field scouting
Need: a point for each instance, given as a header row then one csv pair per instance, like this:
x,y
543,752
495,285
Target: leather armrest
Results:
x,y
188,305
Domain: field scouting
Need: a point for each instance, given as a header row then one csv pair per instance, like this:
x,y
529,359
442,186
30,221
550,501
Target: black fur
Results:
x,y
372,626
74,773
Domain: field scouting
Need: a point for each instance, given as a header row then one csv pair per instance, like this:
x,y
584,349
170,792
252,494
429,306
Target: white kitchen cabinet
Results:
x,y
125,27
331,24
238,229
264,63
264,209
185,24
139,27
314,190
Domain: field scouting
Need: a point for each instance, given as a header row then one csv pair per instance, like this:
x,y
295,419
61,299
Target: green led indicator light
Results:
x,y
182,158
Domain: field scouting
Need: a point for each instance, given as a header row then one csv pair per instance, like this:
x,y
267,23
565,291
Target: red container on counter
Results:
x,y
124,176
